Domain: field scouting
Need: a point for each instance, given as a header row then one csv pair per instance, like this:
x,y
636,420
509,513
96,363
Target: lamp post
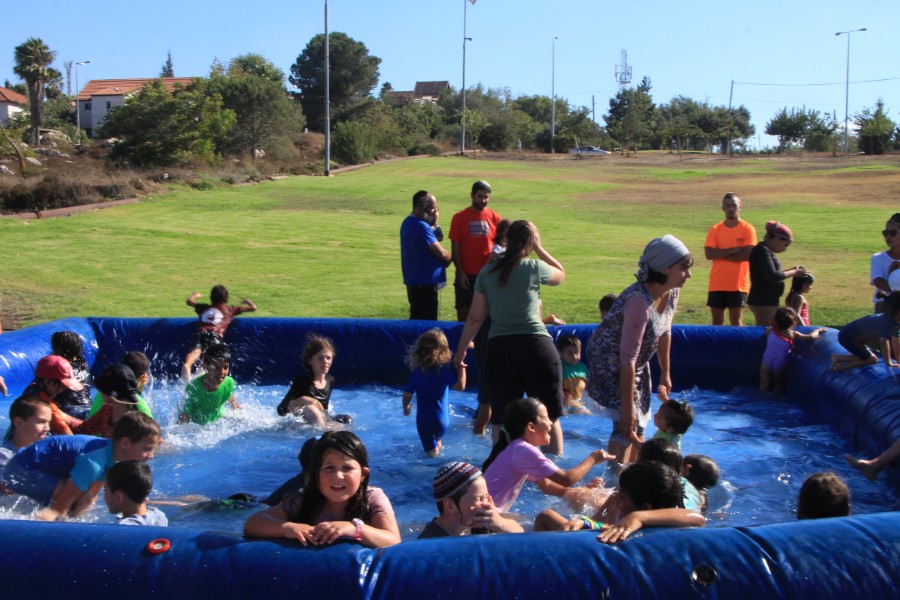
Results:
x,y
327,100
77,104
462,118
553,95
847,90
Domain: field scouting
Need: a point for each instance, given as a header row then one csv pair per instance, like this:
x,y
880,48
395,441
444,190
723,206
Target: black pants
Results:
x,y
423,302
520,365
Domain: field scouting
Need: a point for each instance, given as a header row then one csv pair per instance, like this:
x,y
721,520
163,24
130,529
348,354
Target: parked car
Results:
x,y
587,150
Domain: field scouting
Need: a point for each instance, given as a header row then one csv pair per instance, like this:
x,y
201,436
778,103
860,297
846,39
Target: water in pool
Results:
x,y
765,448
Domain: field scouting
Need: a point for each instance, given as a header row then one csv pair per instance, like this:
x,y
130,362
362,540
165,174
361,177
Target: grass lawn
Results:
x,y
328,247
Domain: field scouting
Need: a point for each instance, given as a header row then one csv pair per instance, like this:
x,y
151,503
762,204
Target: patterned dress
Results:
x,y
603,354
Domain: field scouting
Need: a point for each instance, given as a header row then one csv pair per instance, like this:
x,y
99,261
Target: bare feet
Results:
x,y
866,467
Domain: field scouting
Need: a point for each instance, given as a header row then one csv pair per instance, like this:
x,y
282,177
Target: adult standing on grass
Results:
x,y
472,233
881,262
422,258
521,358
638,325
766,276
728,246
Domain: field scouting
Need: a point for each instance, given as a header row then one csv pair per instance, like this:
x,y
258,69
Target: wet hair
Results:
x,y
305,456
132,477
518,415
137,362
314,345
661,451
68,345
701,471
785,317
136,426
660,277
681,415
218,354
24,408
419,198
501,232
218,295
430,351
568,341
519,243
606,302
481,186
823,495
652,483
348,444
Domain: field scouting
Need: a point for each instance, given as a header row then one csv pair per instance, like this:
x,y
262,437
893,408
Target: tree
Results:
x,y
161,127
353,75
875,129
789,127
632,114
32,63
168,69
266,117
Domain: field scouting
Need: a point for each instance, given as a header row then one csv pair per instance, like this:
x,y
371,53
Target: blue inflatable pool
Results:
x,y
834,558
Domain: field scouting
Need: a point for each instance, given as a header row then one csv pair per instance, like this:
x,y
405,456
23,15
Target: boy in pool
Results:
x,y
574,373
140,366
208,394
464,504
65,472
857,337
214,319
605,304
672,419
128,483
29,418
823,495
117,387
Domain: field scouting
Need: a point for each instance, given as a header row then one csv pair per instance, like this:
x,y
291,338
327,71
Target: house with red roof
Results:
x,y
11,102
99,96
425,91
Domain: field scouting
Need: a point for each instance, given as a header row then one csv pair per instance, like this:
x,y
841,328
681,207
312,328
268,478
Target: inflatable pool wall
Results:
x,y
835,558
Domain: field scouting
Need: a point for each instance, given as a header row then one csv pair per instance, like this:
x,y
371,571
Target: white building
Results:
x,y
10,103
99,96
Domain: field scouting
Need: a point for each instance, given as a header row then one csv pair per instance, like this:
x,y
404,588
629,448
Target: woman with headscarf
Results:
x,y
521,357
766,276
637,326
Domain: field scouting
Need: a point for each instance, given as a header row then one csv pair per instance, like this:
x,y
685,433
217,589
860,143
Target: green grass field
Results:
x,y
328,247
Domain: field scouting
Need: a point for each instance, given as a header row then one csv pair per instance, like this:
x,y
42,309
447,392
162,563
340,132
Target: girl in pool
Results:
x,y
796,298
431,378
310,391
337,503
517,456
779,345
68,345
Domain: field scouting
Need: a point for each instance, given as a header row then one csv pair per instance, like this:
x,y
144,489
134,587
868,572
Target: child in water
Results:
x,y
574,374
823,495
672,419
128,483
517,456
779,345
29,418
310,391
796,299
208,394
140,366
77,403
337,503
431,378
214,319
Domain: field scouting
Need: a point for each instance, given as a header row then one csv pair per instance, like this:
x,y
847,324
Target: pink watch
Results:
x,y
359,526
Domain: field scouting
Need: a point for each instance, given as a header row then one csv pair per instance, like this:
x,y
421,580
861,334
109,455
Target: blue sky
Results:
x,y
694,48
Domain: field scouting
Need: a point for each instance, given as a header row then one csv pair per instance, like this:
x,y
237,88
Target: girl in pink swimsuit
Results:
x,y
779,345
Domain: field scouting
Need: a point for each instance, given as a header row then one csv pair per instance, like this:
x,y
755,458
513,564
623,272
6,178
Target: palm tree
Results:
x,y
33,59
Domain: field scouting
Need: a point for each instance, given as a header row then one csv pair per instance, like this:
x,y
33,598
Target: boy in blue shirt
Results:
x,y
65,473
128,483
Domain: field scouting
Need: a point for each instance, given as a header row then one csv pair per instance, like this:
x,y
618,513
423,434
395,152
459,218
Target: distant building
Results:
x,y
99,96
11,102
426,91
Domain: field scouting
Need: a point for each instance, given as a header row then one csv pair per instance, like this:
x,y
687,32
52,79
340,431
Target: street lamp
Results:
x,y
847,90
462,134
553,95
327,100
77,104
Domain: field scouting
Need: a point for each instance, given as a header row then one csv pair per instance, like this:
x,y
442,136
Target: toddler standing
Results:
x,y
779,345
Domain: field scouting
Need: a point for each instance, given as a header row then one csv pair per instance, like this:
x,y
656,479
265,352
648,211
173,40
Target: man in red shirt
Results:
x,y
728,245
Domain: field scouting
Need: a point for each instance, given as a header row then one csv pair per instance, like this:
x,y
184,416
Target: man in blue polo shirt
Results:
x,y
423,260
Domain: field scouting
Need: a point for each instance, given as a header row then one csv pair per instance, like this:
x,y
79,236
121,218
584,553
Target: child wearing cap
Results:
x,y
52,377
118,388
140,366
464,504
208,394
128,483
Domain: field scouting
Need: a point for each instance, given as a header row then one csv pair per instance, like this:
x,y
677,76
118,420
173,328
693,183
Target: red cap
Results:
x,y
56,367
776,228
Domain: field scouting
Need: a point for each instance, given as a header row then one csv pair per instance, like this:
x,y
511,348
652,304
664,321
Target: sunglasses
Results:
x,y
889,232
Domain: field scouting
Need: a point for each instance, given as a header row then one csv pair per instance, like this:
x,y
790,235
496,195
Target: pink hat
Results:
x,y
776,228
56,367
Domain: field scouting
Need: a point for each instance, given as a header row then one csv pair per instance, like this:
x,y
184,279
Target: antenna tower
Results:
x,y
623,71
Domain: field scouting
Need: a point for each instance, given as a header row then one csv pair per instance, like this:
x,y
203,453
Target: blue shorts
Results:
x,y
34,483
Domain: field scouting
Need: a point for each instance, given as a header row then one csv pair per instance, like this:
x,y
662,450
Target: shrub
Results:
x,y
429,149
352,143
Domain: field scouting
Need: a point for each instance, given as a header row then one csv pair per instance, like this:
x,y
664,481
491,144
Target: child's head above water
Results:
x,y
569,347
785,318
128,482
68,345
662,451
700,470
651,485
316,344
217,354
430,351
218,295
606,303
139,365
452,482
823,495
29,418
119,383
340,475
674,416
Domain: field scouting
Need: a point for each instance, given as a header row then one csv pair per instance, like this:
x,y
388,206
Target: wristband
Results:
x,y
588,523
359,526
